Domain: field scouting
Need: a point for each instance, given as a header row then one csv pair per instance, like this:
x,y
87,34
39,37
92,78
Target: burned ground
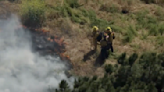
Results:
x,y
47,45
77,36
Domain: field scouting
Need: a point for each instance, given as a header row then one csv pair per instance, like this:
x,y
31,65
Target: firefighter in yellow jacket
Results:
x,y
111,36
95,34
104,46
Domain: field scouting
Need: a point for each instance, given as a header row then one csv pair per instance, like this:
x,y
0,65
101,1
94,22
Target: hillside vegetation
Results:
x,y
134,74
137,62
134,22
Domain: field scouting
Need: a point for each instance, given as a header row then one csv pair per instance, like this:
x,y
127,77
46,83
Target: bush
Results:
x,y
32,12
161,29
156,29
145,75
109,68
112,8
83,16
133,58
140,17
73,3
144,20
160,40
122,59
130,34
116,28
159,12
150,23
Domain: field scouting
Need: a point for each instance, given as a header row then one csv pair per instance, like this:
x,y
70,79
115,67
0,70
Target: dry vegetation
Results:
x,y
138,26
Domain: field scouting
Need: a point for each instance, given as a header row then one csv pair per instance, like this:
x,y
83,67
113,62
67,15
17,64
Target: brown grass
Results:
x,y
76,35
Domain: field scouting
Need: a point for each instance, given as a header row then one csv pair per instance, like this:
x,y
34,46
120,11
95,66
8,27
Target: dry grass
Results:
x,y
6,8
76,34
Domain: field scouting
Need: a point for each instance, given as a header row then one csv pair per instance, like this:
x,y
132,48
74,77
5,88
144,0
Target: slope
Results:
x,y
138,26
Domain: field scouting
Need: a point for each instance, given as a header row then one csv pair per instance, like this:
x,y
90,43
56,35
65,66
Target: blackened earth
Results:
x,y
41,44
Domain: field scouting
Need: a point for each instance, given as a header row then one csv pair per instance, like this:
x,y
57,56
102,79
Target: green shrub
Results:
x,y
145,21
140,17
156,29
160,40
32,12
122,59
150,23
116,28
112,8
153,30
159,12
130,34
109,68
133,58
161,29
143,76
93,20
73,3
82,16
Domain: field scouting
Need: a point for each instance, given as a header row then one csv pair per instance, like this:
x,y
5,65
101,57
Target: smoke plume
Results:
x,y
21,69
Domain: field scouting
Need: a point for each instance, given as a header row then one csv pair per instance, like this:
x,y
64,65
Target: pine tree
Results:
x,y
122,59
63,86
109,68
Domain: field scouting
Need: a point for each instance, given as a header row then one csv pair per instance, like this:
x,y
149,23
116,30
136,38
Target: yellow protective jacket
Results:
x,y
111,37
95,34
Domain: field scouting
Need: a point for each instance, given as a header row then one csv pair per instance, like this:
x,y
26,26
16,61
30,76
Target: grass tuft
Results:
x,y
32,12
130,34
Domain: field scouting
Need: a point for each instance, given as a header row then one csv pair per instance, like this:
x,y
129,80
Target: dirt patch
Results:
x,y
77,39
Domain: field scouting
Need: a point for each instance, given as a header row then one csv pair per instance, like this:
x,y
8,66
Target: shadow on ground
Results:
x,y
88,55
99,61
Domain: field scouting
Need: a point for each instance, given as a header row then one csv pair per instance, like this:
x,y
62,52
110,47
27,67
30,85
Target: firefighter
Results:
x,y
104,46
111,36
95,34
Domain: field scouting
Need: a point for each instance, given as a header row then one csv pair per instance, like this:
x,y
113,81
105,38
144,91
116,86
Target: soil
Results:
x,y
78,43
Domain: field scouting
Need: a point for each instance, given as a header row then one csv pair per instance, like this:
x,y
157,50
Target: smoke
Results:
x,y
21,69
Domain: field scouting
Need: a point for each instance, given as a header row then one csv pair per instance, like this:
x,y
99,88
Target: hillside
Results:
x,y
138,26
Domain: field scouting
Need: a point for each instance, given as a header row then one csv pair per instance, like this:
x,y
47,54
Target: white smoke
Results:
x,y
22,70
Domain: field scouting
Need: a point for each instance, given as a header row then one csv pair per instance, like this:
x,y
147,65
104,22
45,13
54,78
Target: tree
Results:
x,y
109,68
63,86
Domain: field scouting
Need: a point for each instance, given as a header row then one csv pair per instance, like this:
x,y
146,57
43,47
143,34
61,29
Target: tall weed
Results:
x,y
157,29
73,3
160,40
113,8
130,34
32,12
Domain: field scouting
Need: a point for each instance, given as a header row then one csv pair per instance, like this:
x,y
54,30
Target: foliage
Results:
x,y
145,21
109,68
160,40
73,3
136,74
32,12
109,8
130,34
82,16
